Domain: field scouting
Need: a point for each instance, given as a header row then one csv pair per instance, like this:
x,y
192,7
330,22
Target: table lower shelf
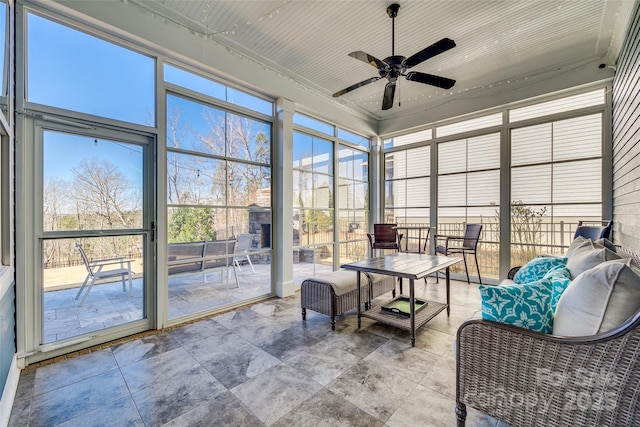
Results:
x,y
422,316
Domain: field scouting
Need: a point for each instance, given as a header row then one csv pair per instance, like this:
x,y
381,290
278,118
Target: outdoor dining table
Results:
x,y
404,266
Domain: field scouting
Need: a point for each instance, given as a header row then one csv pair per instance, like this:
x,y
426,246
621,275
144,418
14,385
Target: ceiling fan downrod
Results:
x,y
392,11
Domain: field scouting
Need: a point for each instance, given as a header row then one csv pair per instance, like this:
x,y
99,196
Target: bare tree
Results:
x,y
104,191
53,212
55,191
237,138
173,164
526,230
211,176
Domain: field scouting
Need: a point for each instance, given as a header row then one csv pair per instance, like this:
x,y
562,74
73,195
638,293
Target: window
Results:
x,y
408,193
469,125
556,177
567,103
353,138
556,180
398,141
218,190
353,203
90,75
330,196
313,202
196,83
311,123
469,192
407,186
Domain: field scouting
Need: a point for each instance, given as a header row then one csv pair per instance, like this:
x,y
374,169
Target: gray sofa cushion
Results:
x,y
598,300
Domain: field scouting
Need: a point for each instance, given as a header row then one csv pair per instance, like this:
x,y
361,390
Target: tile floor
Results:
x,y
107,305
261,366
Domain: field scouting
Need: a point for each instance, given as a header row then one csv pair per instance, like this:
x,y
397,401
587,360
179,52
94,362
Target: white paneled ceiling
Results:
x,y
508,43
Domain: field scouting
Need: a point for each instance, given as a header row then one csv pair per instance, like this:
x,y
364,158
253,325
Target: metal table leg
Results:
x,y
358,297
412,312
448,280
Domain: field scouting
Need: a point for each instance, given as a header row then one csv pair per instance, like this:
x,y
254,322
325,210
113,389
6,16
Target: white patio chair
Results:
x,y
217,256
243,247
95,272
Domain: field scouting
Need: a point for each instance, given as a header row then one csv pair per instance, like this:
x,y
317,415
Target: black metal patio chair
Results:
x,y
464,245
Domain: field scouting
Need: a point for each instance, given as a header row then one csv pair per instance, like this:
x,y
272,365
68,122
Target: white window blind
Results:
x,y
469,125
568,103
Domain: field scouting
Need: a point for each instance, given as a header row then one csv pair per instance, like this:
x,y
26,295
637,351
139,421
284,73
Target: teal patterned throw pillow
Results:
x,y
535,269
560,278
526,306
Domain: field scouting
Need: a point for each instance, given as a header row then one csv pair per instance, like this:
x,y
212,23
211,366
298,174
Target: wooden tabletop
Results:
x,y
403,264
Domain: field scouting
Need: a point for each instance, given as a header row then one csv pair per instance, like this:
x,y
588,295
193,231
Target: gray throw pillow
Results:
x,y
607,244
598,300
577,244
581,243
588,256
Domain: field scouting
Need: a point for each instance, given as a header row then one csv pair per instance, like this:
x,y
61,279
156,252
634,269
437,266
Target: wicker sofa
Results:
x,y
335,293
527,378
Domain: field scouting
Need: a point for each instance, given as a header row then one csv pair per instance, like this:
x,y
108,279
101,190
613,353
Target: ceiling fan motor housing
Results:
x,y
395,67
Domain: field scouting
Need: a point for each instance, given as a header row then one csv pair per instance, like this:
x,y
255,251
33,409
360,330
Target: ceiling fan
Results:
x,y
395,65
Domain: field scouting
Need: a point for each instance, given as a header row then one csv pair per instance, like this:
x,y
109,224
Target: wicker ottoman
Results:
x,y
335,293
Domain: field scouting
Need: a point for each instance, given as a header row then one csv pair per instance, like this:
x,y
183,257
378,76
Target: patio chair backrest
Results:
x,y
385,233
472,235
244,243
85,260
594,232
219,248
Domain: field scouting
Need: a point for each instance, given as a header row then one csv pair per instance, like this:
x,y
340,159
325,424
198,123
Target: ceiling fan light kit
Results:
x,y
396,65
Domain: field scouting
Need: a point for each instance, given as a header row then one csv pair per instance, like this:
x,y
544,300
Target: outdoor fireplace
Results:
x,y
265,235
260,226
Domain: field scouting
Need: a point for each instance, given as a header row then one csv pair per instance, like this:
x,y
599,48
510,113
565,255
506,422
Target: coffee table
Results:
x,y
404,266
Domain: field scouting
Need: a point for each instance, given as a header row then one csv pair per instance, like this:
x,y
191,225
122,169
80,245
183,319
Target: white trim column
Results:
x,y
505,197
376,182
282,199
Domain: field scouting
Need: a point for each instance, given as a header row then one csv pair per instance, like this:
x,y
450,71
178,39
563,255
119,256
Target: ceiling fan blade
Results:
x,y
429,52
369,59
387,98
356,86
430,79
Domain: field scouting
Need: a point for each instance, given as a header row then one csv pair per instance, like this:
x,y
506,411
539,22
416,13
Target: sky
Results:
x,y
62,152
72,70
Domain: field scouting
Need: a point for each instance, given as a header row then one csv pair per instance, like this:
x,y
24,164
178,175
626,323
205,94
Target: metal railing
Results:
x,y
548,238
